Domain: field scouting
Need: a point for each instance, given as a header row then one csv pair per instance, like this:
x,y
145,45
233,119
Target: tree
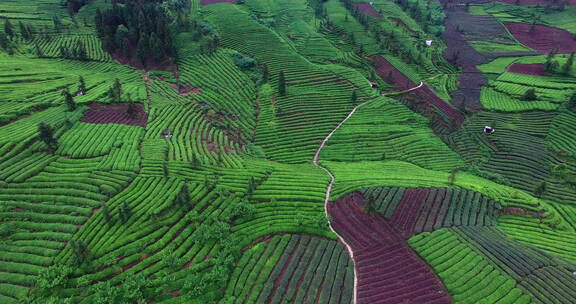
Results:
x,y
64,52
9,29
115,92
131,111
165,171
142,50
281,84
549,65
242,210
539,191
572,102
354,97
567,67
194,161
82,85
46,134
38,51
53,276
81,52
156,47
99,23
251,186
530,95
183,197
265,72
107,215
24,31
124,212
57,24
80,252
369,208
104,292
122,33
143,24
4,43
69,100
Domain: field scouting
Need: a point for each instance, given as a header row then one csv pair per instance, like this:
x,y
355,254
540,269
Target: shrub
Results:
x,y
243,62
530,95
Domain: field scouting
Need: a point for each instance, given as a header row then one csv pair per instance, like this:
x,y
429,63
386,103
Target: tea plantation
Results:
x,y
302,151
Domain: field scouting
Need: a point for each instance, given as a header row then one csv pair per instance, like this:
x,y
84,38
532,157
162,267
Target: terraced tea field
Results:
x,y
303,151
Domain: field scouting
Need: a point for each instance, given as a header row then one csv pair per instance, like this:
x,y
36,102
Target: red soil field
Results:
x,y
543,38
151,64
186,90
388,270
535,2
367,9
536,69
383,68
115,113
208,2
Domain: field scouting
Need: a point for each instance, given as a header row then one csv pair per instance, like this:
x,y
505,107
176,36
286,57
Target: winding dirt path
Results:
x,y
331,183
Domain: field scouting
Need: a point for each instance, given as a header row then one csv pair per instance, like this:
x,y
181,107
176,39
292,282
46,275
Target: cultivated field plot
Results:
x,y
542,38
283,152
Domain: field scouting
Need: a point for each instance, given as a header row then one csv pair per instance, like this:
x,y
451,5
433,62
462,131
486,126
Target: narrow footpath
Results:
x,y
331,183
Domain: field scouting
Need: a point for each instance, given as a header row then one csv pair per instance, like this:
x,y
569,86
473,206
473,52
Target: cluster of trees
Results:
x,y
115,91
78,53
74,6
572,102
386,40
26,30
552,65
429,14
124,213
136,28
530,95
9,34
208,37
46,134
555,6
281,84
257,72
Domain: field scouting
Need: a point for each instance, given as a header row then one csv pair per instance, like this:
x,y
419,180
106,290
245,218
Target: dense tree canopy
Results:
x,y
136,30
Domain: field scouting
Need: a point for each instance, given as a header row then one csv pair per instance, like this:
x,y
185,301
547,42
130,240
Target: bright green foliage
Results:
x,y
387,130
317,266
213,199
468,275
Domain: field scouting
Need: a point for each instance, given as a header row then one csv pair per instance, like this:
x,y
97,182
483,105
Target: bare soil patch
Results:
x,y
388,72
366,8
115,113
536,69
542,38
186,90
208,2
151,64
386,266
536,2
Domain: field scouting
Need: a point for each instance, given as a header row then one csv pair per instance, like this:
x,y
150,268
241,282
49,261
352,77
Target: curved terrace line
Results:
x,y
332,179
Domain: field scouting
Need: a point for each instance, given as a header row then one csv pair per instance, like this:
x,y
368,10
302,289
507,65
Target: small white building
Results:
x,y
488,130
166,134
